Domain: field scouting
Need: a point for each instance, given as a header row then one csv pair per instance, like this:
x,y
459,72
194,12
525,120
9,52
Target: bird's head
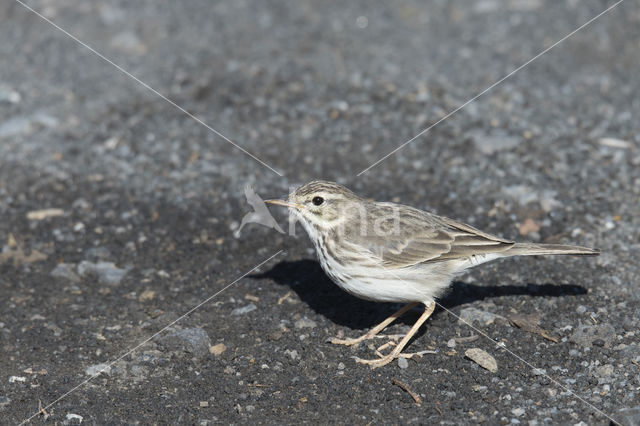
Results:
x,y
321,204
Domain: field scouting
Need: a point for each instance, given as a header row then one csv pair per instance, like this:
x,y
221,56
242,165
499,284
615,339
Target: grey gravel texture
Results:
x,y
149,200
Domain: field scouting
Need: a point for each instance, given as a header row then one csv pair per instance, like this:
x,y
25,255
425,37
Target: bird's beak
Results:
x,y
285,204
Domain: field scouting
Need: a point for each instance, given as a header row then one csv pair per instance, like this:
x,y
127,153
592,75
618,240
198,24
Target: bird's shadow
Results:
x,y
309,281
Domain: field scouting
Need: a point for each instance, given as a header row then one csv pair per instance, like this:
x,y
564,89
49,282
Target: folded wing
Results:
x,y
417,237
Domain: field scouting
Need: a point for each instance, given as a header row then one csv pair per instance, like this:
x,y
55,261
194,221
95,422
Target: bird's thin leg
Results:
x,y
375,330
375,363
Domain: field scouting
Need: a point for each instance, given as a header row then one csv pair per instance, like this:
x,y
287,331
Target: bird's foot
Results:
x,y
410,355
346,342
376,363
351,342
386,359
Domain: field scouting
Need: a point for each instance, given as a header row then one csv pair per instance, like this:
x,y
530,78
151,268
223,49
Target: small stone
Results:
x,y
587,335
305,323
73,419
581,309
604,370
252,298
475,316
539,372
128,42
96,254
44,214
204,404
528,226
191,340
97,369
341,366
488,144
217,349
106,272
482,358
403,363
275,335
146,295
293,354
519,411
65,271
451,343
615,143
9,95
244,310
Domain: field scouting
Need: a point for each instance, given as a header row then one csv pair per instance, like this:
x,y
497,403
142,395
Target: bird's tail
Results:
x,y
531,249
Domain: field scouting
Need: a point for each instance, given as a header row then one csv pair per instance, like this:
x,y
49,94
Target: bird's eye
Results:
x,y
317,200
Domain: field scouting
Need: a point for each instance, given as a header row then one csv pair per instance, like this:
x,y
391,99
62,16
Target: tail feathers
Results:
x,y
531,249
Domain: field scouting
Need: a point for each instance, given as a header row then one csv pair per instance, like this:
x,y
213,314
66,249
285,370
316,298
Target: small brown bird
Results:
x,y
387,252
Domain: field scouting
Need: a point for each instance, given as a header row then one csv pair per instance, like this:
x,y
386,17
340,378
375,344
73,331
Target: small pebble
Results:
x,y
191,340
72,418
44,214
519,411
473,316
305,323
217,349
403,363
293,354
97,369
482,358
244,310
65,271
106,272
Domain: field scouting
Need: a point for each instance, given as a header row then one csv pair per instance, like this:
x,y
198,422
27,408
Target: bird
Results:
x,y
389,252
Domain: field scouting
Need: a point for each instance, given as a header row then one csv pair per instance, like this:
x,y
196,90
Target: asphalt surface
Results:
x,y
148,201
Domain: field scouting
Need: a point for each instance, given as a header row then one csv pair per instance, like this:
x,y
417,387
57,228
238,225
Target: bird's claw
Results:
x,y
375,363
346,342
351,342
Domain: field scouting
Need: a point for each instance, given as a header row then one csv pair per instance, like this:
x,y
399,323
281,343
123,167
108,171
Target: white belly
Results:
x,y
414,284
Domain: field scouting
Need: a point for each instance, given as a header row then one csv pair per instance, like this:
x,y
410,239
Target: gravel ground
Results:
x,y
146,202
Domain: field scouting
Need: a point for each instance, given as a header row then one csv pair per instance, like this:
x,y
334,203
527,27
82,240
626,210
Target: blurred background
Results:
x,y
148,198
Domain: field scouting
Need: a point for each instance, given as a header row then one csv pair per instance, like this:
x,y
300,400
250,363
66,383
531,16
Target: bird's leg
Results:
x,y
395,353
375,330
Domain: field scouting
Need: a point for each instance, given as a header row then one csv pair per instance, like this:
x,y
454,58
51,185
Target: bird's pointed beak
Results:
x,y
285,204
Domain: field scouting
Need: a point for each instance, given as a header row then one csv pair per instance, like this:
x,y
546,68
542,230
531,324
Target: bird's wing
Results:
x,y
423,237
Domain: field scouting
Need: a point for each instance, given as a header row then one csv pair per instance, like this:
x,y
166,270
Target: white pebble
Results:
x,y
403,363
